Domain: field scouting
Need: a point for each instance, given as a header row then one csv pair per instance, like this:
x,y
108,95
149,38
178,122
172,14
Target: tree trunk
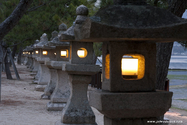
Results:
x,y
19,56
7,68
1,60
164,50
14,51
14,18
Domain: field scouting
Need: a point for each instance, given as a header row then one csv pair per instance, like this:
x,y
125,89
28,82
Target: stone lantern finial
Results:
x,y
82,10
62,27
129,2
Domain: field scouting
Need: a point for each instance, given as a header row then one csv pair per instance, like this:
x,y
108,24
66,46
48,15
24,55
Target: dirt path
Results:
x,y
21,104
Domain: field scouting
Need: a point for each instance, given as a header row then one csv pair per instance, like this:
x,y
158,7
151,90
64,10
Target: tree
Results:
x,y
164,50
44,16
13,19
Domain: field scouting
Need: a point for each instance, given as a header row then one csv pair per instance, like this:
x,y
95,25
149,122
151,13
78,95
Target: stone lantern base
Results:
x,y
131,108
61,92
77,110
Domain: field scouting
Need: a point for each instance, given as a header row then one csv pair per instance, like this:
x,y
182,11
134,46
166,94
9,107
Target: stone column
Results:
x,y
61,93
80,71
78,110
51,84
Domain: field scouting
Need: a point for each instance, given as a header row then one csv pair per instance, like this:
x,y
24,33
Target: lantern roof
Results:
x,y
137,22
42,44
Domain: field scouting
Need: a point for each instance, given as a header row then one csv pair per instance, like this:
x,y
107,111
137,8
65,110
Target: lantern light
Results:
x,y
129,68
55,54
82,52
44,52
64,53
36,52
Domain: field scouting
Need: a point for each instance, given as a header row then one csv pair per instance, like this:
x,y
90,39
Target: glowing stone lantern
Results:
x,y
36,52
130,28
44,52
82,53
64,53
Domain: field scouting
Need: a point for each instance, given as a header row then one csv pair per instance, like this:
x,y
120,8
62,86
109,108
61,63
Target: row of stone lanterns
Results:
x,y
129,94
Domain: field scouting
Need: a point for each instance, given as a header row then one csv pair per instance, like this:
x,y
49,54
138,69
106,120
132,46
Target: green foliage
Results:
x,y
43,16
97,48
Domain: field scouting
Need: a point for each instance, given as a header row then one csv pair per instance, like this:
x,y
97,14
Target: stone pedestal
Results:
x,y
52,83
35,68
61,93
78,110
37,76
131,108
44,76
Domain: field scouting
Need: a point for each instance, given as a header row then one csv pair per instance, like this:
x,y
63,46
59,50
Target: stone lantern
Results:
x,y
129,31
29,52
35,63
61,93
80,70
45,53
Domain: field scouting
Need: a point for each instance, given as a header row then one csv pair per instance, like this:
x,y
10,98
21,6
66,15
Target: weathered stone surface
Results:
x,y
44,76
43,40
51,84
117,50
58,64
61,93
137,121
77,110
62,89
82,10
40,87
143,23
80,69
131,105
75,59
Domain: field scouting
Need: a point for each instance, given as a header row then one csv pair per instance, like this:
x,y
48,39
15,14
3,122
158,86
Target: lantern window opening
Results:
x,y
82,53
64,53
45,52
107,66
36,52
132,66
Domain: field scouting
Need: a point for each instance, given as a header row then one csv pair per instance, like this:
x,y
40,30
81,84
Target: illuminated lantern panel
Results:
x,y
64,53
82,52
36,52
133,67
129,67
24,52
44,52
55,54
107,66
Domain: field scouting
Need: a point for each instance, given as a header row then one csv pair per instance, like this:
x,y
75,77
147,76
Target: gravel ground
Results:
x,y
21,104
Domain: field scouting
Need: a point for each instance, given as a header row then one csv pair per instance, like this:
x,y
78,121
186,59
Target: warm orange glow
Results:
x,y
64,53
107,66
82,52
36,52
44,52
129,66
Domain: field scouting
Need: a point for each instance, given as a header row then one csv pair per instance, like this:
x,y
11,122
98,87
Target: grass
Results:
x,y
183,100
180,77
177,86
173,107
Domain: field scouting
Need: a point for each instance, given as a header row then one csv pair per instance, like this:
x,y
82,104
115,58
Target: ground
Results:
x,y
21,104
